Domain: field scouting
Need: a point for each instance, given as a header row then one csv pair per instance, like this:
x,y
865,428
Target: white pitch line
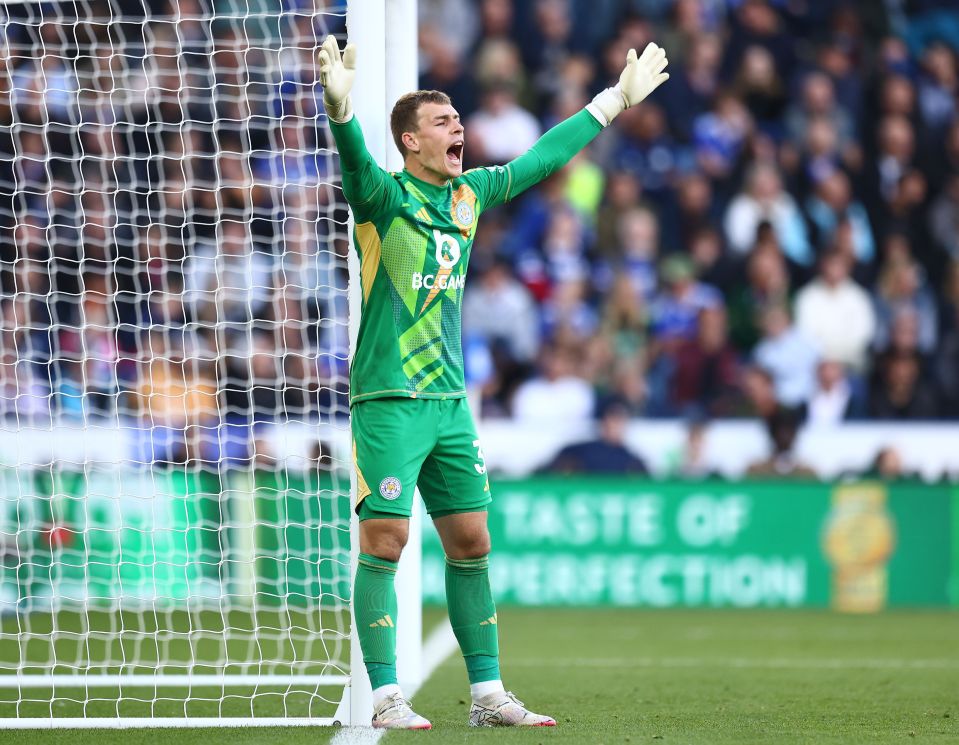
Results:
x,y
439,645
741,662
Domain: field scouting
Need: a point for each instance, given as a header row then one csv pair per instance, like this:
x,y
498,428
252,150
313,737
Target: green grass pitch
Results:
x,y
625,676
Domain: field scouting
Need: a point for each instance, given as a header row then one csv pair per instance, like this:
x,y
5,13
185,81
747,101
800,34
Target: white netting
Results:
x,y
173,363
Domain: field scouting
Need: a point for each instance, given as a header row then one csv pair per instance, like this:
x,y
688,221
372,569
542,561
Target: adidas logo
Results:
x,y
386,621
491,621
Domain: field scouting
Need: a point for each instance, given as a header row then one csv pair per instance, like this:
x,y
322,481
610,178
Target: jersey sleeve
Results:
x,y
369,189
496,185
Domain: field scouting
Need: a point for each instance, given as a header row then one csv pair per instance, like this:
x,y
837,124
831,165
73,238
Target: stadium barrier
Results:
x,y
194,538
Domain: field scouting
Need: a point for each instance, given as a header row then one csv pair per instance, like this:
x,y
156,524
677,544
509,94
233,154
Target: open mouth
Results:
x,y
454,154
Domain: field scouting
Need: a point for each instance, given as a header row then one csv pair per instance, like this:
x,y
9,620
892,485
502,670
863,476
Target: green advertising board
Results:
x,y
177,537
302,541
182,537
595,541
102,536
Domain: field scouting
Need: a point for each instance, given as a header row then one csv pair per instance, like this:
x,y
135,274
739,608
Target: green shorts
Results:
x,y
402,443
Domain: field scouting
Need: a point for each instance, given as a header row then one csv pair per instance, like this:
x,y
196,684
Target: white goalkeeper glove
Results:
x,y
639,78
336,77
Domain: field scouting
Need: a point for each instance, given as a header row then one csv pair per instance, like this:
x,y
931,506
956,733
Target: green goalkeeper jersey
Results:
x,y
414,239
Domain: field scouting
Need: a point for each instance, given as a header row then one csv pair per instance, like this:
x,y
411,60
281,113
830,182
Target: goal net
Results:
x,y
174,341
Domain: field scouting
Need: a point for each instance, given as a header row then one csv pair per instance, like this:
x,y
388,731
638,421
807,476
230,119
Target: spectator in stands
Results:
x,y
675,319
836,397
896,189
766,284
758,85
558,397
686,22
764,200
98,365
501,129
230,281
897,97
756,22
888,466
24,386
553,29
938,88
497,18
456,20
515,324
831,209
719,136
564,246
692,462
623,194
676,309
694,83
900,393
706,372
646,148
177,403
625,319
760,391
944,220
832,296
606,454
783,426
945,164
817,100
695,209
568,311
638,250
903,297
711,265
444,69
788,356
820,156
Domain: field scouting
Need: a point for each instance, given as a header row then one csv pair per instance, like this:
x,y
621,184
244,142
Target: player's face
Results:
x,y
440,140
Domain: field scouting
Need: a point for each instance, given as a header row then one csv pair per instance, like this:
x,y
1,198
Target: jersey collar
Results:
x,y
426,187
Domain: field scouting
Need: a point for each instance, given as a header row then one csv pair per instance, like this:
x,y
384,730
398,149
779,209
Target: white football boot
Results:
x,y
503,709
395,712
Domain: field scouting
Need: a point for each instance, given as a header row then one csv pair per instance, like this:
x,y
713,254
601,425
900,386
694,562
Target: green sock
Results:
x,y
473,616
374,605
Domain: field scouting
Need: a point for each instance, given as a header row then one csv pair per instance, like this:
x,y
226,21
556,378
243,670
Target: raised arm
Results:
x,y
366,186
640,77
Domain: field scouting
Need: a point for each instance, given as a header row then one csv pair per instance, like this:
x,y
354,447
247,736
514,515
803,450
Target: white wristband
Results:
x,y
607,105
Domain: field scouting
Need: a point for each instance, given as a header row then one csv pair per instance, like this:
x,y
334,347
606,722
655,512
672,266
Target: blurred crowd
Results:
x,y
172,242
775,230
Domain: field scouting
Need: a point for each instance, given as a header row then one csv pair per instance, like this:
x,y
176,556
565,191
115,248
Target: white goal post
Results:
x,y
177,309
387,67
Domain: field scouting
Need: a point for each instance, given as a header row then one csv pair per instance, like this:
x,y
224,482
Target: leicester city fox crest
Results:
x,y
463,209
390,488
464,214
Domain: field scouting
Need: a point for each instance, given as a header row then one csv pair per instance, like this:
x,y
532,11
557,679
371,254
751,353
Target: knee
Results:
x,y
388,550
384,542
472,547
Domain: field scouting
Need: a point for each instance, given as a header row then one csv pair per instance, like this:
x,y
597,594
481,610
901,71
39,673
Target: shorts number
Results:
x,y
481,466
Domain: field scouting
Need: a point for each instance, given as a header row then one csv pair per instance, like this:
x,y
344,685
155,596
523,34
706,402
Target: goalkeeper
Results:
x,y
411,422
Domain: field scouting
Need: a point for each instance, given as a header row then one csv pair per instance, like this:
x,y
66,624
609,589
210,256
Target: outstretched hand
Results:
x,y
643,75
336,77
